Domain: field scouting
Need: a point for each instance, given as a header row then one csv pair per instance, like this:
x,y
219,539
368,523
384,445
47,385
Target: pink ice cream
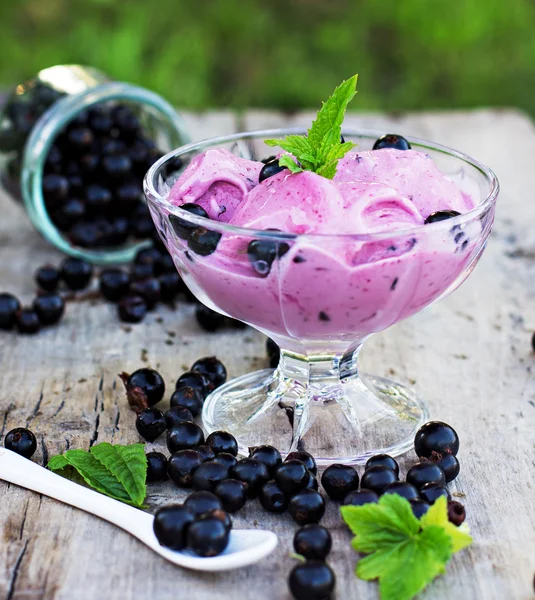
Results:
x,y
330,286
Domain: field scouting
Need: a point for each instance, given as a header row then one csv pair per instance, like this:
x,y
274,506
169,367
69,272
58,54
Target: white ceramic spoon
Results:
x,y
246,546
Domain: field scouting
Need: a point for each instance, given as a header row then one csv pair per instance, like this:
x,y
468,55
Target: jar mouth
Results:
x,y
154,179
41,139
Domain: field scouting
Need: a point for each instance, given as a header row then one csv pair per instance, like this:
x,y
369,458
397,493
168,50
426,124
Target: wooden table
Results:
x,y
469,356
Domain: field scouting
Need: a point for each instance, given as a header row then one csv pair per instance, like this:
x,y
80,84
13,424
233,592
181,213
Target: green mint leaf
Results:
x,y
404,553
128,464
287,161
58,463
321,149
338,151
103,468
326,129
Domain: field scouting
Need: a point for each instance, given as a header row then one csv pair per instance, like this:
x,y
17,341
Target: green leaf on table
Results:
x,y
404,553
116,471
321,149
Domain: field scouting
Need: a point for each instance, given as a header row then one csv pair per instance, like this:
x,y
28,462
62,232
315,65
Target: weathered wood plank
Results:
x,y
469,356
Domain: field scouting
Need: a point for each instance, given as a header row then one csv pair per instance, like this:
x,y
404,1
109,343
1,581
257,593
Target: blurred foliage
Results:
x,y
410,54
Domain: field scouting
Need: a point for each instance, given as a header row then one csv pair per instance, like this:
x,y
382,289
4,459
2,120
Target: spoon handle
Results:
x,y
27,474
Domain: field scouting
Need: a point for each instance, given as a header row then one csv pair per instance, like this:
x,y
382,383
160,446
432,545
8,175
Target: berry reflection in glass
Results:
x,y
320,295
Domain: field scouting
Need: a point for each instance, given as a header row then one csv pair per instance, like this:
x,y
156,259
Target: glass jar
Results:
x,y
40,109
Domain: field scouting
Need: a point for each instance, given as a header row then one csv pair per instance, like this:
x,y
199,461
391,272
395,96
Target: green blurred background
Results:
x,y
410,54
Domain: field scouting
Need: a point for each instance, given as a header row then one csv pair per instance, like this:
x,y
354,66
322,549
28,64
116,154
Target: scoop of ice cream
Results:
x,y
413,174
216,180
295,203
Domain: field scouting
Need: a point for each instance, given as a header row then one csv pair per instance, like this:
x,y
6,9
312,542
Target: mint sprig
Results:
x,y
116,471
321,149
404,553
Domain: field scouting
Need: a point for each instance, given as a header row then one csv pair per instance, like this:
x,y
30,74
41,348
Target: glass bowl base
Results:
x,y
336,420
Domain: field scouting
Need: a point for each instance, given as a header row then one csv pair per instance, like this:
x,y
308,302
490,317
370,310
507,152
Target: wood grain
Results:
x,y
469,356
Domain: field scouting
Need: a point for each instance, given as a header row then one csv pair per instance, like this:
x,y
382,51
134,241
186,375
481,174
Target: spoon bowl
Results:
x,y
246,546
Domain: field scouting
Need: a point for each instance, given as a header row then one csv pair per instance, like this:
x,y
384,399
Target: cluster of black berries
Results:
x,y
146,387
200,525
313,578
93,174
48,305
150,279
435,443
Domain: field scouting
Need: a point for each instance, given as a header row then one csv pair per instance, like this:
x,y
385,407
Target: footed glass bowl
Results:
x,y
322,297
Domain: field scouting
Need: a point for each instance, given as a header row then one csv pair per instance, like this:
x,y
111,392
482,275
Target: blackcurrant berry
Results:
x,y
132,309
269,455
171,524
221,441
232,493
144,387
269,169
392,140
47,278
156,467
203,241
184,435
312,580
9,306
27,321
49,308
441,215
213,369
150,424
188,397
76,273
377,478
313,541
272,498
252,472
307,506
22,441
338,480
291,476
262,254
456,513
195,380
114,284
181,226
182,465
207,537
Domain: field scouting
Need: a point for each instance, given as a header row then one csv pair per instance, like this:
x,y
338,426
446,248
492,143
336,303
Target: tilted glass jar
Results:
x,y
40,109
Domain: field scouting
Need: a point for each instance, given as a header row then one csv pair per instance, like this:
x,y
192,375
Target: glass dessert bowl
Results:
x,y
319,296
